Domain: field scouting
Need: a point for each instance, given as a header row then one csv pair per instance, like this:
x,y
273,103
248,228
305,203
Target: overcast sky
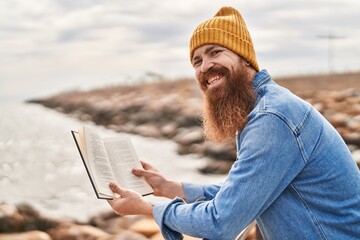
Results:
x,y
52,45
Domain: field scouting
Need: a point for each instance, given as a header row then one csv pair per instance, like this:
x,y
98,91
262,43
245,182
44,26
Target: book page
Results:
x,y
123,159
97,160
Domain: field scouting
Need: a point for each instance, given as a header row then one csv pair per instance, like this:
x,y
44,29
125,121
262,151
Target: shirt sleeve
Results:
x,y
197,192
268,159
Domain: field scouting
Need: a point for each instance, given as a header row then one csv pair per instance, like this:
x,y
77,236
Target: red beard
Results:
x,y
226,108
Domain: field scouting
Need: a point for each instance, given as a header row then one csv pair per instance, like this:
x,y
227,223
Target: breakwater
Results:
x,y
172,110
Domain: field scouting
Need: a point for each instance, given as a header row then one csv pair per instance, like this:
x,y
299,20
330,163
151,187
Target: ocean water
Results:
x,y
40,164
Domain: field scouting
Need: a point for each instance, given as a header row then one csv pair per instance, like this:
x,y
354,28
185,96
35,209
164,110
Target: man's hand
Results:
x,y
162,186
129,202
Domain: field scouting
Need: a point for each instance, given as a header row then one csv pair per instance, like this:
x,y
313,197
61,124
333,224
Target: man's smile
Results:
x,y
213,79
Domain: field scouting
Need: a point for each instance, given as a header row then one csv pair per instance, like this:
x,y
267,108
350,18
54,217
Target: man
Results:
x,y
293,174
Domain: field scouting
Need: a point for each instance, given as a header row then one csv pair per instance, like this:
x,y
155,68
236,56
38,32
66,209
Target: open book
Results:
x,y
109,160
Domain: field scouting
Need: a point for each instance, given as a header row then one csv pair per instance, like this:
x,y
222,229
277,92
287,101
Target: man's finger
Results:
x,y
146,166
116,189
142,173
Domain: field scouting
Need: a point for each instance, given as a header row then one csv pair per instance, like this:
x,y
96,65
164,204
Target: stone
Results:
x,y
71,231
146,226
23,217
220,151
184,150
159,236
148,130
125,235
31,235
35,221
352,148
117,224
339,119
351,138
216,167
356,156
10,219
319,107
191,136
353,125
186,237
169,130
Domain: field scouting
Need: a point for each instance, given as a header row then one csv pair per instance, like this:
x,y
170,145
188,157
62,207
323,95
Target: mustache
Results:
x,y
212,71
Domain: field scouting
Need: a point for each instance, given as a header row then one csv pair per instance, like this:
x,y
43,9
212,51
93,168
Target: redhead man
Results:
x,y
293,174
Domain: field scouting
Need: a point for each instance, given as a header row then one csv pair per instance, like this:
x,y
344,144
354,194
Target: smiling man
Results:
x,y
293,174
226,80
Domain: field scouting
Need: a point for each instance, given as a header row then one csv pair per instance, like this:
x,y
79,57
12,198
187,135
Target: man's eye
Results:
x,y
215,52
197,63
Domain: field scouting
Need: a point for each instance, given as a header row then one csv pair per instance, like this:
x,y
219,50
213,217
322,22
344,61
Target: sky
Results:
x,y
48,46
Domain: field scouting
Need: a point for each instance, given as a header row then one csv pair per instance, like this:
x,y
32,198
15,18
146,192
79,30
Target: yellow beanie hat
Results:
x,y
228,29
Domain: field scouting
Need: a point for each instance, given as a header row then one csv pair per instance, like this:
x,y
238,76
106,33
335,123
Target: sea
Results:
x,y
40,164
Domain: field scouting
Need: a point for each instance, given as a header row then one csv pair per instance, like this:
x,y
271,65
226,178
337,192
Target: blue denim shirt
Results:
x,y
294,175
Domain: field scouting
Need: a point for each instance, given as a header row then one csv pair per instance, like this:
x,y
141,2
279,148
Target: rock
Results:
x,y
353,125
352,148
146,226
352,138
191,136
339,120
354,110
220,151
101,219
31,235
148,130
356,157
25,218
35,221
70,231
142,117
128,127
125,235
183,150
216,167
319,107
10,219
186,237
169,130
117,224
188,120
159,236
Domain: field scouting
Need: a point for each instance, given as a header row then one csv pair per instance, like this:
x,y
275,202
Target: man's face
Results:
x,y
213,64
225,79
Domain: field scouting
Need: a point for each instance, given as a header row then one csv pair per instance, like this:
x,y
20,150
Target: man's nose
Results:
x,y
206,65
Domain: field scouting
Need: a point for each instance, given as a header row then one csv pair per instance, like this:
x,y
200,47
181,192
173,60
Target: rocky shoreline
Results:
x,y
172,110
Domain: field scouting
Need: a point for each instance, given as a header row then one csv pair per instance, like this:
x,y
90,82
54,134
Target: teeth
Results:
x,y
213,79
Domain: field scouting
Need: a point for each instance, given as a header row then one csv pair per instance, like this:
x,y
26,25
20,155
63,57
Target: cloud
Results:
x,y
84,41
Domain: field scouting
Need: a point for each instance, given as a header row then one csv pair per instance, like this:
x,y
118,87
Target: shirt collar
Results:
x,y
260,78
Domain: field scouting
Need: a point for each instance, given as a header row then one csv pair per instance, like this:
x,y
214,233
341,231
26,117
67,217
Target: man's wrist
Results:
x,y
174,189
149,210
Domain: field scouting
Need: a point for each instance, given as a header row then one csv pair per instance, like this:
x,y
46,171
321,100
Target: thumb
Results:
x,y
147,166
117,189
139,172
